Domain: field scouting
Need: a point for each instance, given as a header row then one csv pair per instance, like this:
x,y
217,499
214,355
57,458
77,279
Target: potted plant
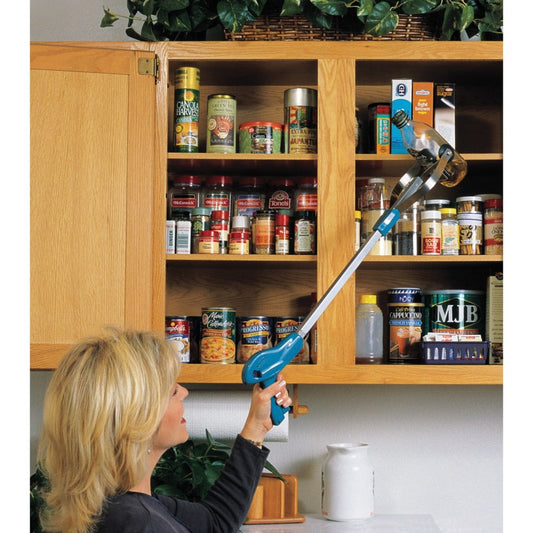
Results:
x,y
186,471
160,20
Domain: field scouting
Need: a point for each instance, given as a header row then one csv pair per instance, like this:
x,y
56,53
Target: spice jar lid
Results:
x,y
282,220
493,202
448,210
240,221
283,182
376,180
468,199
220,215
308,181
186,180
430,214
368,299
219,180
357,214
305,214
250,180
205,211
209,233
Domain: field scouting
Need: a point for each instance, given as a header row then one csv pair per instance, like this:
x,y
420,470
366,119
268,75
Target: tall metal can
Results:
x,y
300,120
221,114
217,344
186,109
406,316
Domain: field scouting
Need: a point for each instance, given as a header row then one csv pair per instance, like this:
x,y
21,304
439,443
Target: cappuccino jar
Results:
x,y
347,483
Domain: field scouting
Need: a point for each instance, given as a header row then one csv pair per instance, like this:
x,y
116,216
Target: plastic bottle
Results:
x,y
369,331
427,146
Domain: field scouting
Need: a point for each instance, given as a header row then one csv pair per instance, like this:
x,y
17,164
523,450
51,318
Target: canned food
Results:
x,y
217,342
221,113
287,325
455,311
300,120
186,109
255,334
406,314
260,138
178,333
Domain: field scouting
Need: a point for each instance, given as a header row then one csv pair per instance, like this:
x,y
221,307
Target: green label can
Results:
x,y
300,120
217,343
455,311
221,113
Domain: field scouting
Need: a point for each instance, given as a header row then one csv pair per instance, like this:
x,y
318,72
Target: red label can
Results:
x,y
178,333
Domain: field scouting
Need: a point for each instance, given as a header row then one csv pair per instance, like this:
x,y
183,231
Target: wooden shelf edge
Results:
x,y
358,374
46,356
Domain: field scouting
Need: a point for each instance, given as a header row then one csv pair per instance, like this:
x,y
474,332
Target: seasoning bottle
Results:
x,y
183,233
209,242
305,195
493,226
280,194
221,114
282,244
407,232
449,231
220,223
304,233
186,109
357,218
426,145
200,220
368,331
218,193
431,232
374,202
239,237
470,218
184,195
300,120
263,232
249,196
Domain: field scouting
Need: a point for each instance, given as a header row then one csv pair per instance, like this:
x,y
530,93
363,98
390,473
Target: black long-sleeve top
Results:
x,y
222,511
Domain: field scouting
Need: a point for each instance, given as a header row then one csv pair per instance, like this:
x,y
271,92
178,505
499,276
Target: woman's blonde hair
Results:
x,y
104,403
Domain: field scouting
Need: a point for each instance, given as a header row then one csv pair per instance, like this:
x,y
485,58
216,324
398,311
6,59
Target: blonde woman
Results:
x,y
112,408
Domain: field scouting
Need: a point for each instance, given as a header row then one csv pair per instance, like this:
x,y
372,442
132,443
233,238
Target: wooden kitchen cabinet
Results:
x,y
346,75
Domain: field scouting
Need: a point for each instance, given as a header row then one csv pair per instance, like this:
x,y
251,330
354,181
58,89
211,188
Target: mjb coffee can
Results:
x,y
406,315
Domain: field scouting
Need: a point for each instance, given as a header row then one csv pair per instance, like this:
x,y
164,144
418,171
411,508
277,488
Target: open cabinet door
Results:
x,y
91,191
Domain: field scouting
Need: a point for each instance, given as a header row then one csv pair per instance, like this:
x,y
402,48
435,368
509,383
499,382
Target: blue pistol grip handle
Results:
x,y
386,221
264,366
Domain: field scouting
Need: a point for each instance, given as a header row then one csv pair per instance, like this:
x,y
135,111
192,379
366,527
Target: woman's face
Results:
x,y
172,429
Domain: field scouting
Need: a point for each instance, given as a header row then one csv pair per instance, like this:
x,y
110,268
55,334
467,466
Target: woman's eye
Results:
x,y
175,390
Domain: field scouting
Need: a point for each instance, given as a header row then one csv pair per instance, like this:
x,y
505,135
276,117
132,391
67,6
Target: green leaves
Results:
x,y
189,470
161,20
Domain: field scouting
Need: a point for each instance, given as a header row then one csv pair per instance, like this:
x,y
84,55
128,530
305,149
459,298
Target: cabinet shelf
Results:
x,y
356,374
248,258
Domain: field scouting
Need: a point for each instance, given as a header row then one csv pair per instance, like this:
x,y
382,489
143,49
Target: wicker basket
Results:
x,y
297,28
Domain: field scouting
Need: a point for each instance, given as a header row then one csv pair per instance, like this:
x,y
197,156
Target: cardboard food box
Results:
x,y
401,98
423,102
444,117
494,318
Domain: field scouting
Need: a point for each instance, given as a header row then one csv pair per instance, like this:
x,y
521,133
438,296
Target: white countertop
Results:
x,y
316,523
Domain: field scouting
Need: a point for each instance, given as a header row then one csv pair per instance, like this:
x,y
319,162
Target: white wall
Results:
x,y
436,450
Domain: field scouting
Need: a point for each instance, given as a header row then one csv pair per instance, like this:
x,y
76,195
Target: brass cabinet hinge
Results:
x,y
149,66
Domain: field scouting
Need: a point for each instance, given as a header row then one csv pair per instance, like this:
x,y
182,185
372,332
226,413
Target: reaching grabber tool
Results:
x,y
264,366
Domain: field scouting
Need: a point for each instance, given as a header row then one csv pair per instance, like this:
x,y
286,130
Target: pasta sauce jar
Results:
x,y
217,337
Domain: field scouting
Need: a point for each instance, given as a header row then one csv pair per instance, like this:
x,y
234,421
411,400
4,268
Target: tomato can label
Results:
x,y
255,334
406,315
287,325
455,311
217,342
178,333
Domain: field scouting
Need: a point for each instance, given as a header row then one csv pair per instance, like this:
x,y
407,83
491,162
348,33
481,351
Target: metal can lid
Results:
x,y
252,124
188,77
301,96
230,96
201,211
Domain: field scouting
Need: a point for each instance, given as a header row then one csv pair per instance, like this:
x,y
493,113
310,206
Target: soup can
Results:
x,y
456,311
260,137
406,315
254,334
285,325
217,337
178,333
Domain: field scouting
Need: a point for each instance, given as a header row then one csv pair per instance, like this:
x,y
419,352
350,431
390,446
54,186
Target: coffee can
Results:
x,y
217,338
456,311
405,314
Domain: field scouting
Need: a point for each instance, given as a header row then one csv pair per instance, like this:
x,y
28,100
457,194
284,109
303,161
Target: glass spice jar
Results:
x,y
263,232
493,226
431,232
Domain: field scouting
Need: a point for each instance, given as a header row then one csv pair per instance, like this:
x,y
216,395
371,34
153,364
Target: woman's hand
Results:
x,y
258,422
